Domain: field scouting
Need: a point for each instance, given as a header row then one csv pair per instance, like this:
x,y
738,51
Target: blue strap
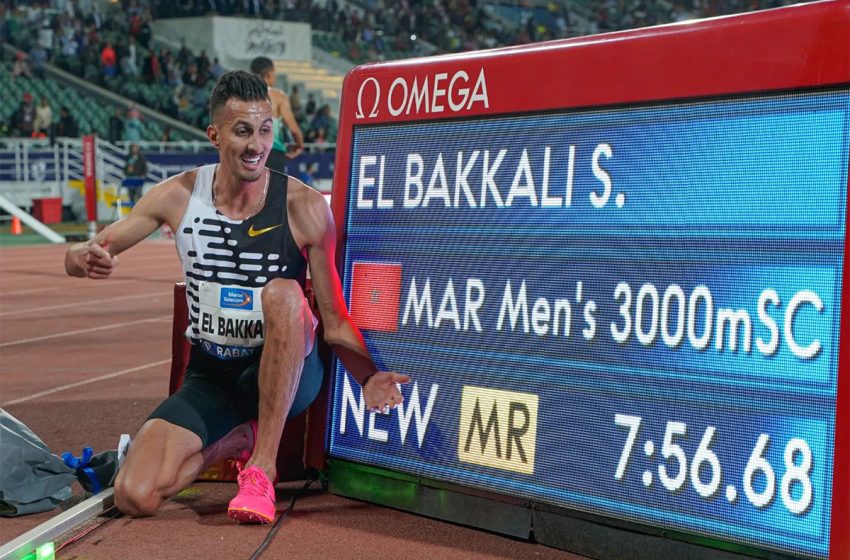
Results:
x,y
81,464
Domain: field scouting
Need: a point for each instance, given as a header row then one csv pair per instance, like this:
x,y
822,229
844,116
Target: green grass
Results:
x,y
72,230
27,238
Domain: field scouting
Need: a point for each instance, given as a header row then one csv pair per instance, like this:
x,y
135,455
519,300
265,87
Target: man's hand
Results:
x,y
381,392
95,260
293,151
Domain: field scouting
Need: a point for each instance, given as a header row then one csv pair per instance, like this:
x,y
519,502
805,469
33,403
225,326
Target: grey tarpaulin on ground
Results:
x,y
32,479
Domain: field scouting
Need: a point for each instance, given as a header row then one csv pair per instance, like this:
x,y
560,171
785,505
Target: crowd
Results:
x,y
115,48
37,121
382,29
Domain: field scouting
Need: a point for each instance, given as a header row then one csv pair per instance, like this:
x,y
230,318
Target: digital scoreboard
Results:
x,y
615,270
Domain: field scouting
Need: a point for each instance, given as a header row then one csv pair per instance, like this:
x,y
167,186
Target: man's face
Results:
x,y
242,132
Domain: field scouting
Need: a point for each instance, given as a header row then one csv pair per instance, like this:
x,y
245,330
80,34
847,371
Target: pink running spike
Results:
x,y
255,501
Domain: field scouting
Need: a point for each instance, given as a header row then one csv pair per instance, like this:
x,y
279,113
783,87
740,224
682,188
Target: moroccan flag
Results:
x,y
375,289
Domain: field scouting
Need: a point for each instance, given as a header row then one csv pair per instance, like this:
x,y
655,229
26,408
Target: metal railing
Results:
x,y
33,168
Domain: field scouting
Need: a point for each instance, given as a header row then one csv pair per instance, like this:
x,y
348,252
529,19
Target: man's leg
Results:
x,y
288,329
165,458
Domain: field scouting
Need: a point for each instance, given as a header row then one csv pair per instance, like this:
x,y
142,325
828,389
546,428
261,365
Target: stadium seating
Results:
x,y
91,116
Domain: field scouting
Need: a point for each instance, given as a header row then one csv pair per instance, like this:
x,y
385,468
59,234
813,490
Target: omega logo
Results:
x,y
374,112
434,93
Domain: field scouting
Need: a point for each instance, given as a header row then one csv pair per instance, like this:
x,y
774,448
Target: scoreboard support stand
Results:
x,y
604,537
450,502
578,532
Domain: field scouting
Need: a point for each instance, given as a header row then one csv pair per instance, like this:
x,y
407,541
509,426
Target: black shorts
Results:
x,y
218,395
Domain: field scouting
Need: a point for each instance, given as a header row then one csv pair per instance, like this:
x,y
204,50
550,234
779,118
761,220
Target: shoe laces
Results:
x,y
254,482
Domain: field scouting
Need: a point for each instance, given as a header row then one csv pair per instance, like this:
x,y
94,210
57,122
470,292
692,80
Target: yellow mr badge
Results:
x,y
498,429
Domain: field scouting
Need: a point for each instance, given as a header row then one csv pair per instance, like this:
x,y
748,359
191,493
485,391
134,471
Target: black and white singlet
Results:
x,y
227,262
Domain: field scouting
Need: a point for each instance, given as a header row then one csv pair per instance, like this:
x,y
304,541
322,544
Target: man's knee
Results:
x,y
153,465
285,297
136,496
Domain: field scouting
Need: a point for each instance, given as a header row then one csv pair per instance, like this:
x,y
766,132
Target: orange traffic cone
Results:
x,y
17,228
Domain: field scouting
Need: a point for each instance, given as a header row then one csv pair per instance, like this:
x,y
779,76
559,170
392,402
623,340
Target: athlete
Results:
x,y
283,115
245,235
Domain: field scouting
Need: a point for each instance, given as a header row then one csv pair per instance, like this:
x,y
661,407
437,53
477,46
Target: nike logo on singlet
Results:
x,y
255,232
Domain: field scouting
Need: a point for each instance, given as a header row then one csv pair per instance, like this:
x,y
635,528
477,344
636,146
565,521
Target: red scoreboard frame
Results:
x,y
794,48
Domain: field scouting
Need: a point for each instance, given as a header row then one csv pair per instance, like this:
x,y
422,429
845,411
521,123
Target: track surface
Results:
x,y
82,362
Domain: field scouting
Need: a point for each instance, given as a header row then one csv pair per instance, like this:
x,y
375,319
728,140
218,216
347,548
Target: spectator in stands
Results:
x,y
184,104
92,71
135,169
203,63
130,61
67,126
38,60
322,121
153,70
20,66
184,55
133,125
70,45
135,19
310,107
173,74
282,115
132,130
43,119
144,36
192,77
116,126
25,117
96,17
166,134
169,65
216,70
108,60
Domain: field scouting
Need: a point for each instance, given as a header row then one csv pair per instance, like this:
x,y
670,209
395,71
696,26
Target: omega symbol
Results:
x,y
374,113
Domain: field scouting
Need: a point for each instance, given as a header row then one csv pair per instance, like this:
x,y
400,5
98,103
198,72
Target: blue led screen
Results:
x,y
632,311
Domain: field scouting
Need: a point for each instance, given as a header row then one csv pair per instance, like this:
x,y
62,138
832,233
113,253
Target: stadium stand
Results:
x,y
115,49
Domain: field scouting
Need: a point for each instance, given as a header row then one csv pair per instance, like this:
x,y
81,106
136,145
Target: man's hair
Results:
x,y
261,65
240,85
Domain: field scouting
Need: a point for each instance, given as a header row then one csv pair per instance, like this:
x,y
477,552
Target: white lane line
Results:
x,y
91,302
86,382
22,292
81,331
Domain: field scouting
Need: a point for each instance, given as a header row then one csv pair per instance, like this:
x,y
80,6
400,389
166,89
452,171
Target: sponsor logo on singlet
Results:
x,y
234,298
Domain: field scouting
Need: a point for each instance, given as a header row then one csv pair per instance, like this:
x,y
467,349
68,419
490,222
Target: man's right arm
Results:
x,y
97,257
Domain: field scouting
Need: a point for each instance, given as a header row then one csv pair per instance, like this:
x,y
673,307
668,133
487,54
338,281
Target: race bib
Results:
x,y
230,319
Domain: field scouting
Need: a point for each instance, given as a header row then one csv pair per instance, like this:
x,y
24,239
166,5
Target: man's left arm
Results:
x,y
380,388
